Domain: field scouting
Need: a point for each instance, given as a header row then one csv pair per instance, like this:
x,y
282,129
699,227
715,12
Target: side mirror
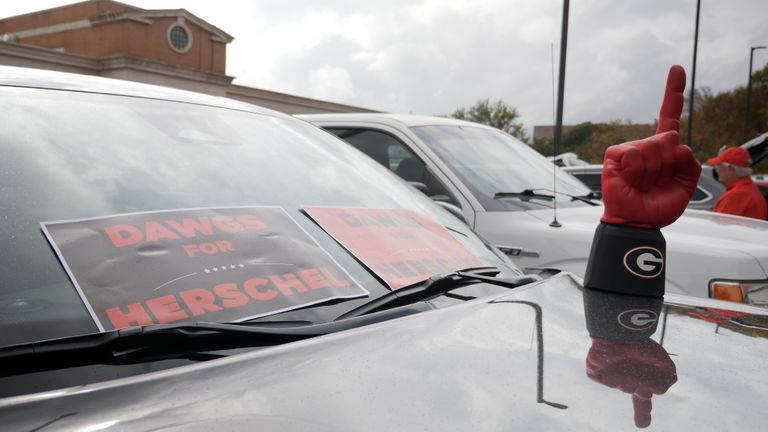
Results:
x,y
441,200
421,187
452,209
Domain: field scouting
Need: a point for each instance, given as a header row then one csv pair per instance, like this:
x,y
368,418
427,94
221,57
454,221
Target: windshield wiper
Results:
x,y
525,195
528,194
169,341
436,286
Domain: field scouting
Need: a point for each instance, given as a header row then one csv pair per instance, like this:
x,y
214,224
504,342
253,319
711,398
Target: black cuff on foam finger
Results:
x,y
627,260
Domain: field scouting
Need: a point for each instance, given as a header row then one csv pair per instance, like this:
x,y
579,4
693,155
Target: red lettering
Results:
x,y
225,223
231,297
332,279
190,227
191,249
313,279
156,231
209,248
166,309
136,314
199,301
124,235
287,282
225,246
251,288
251,222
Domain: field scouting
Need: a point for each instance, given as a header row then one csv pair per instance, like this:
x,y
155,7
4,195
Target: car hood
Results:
x,y
694,228
512,362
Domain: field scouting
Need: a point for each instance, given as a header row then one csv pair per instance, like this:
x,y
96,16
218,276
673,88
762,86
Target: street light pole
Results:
x,y
693,77
749,85
561,78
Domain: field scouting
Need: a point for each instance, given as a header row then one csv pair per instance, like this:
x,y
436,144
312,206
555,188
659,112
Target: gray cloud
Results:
x,y
432,56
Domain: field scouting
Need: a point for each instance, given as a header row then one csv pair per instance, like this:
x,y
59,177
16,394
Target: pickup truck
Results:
x,y
540,215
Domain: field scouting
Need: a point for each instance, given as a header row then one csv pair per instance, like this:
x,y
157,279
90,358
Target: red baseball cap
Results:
x,y
736,156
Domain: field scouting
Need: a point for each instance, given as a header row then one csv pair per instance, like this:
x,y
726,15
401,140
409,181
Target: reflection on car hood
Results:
x,y
511,362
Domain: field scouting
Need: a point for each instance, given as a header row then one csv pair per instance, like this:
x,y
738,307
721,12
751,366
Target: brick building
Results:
x,y
172,47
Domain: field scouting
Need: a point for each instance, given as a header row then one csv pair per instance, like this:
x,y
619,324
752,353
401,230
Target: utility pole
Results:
x,y
693,77
561,78
749,85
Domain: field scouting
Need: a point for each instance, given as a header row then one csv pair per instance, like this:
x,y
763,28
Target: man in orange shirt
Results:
x,y
741,197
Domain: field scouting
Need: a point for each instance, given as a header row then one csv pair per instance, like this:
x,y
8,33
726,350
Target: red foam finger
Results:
x,y
651,163
667,144
672,105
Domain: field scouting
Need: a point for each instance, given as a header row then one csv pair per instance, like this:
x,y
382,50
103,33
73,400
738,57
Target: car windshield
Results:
x,y
491,162
118,211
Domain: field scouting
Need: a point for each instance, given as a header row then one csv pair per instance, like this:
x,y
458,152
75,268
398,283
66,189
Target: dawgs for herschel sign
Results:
x,y
216,265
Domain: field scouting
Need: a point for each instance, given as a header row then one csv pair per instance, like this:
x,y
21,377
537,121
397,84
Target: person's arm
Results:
x,y
646,185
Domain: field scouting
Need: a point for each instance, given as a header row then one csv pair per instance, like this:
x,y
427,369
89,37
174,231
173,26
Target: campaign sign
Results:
x,y
400,246
214,265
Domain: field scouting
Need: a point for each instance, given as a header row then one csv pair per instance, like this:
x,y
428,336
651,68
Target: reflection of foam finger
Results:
x,y
642,406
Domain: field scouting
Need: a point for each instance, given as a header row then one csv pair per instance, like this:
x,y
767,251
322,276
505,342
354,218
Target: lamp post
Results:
x,y
561,78
693,77
749,85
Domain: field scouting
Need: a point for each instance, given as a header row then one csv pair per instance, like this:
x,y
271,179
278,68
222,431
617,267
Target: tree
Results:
x,y
498,115
719,119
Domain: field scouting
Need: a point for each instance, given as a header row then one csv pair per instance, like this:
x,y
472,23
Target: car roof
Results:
x,y
409,120
757,147
11,76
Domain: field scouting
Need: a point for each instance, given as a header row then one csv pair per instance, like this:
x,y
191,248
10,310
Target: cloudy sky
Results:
x,y
433,56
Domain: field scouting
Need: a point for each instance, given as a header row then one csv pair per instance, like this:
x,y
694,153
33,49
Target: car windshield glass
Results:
x,y
93,187
490,162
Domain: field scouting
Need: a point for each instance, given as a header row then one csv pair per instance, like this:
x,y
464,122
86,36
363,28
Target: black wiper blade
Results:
x,y
591,198
145,343
436,286
525,195
168,341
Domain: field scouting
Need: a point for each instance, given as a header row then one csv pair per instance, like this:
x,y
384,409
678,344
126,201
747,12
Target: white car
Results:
x,y
504,190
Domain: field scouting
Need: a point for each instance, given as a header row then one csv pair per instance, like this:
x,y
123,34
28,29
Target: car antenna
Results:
x,y
554,223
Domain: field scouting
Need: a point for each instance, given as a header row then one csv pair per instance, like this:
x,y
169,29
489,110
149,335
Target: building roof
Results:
x,y
122,12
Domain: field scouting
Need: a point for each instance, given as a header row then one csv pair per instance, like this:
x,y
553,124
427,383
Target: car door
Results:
x,y
388,147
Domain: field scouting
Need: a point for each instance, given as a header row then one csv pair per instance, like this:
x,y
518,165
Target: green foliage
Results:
x,y
719,119
589,140
499,115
